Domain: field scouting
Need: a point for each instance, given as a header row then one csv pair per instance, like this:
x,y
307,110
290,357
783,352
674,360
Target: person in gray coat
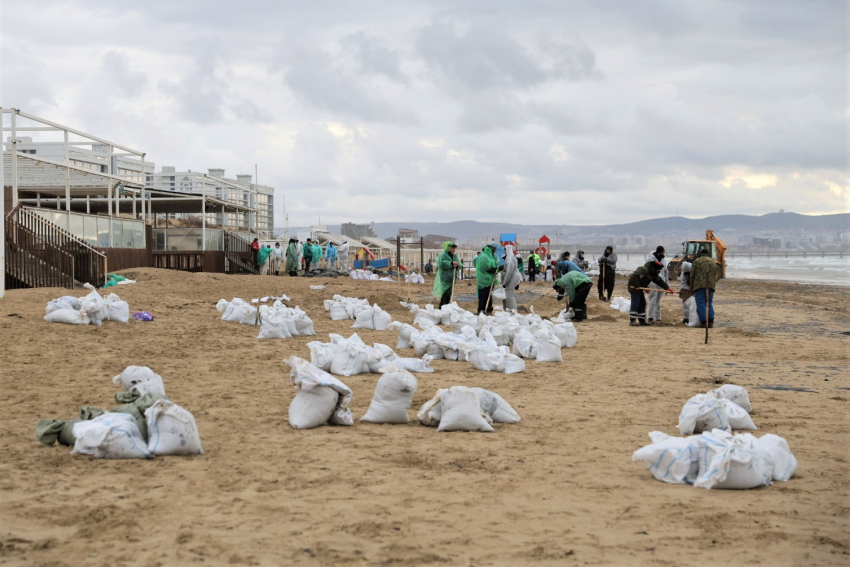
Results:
x,y
653,302
510,278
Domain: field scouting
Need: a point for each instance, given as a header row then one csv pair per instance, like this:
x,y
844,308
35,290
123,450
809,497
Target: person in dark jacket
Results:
x,y
607,273
641,278
703,281
308,254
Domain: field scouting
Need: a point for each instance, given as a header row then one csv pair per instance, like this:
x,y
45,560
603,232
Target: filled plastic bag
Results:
x,y
732,462
410,364
671,459
494,405
110,436
172,430
116,309
392,397
461,411
274,327
141,378
68,317
374,318
548,345
784,462
735,394
703,413
308,407
738,416
406,334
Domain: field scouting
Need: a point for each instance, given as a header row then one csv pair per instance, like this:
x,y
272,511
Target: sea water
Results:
x,y
828,270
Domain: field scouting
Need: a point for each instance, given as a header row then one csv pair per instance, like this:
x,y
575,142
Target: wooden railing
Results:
x,y
239,256
32,261
179,260
89,264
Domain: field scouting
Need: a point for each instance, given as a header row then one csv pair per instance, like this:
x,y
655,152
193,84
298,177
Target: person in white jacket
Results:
x,y
510,278
685,291
653,302
343,255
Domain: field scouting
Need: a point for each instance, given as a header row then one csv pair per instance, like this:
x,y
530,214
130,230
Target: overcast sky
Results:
x,y
531,112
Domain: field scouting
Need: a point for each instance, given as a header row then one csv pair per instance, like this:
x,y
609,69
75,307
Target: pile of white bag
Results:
x,y
91,309
621,304
725,408
466,409
351,356
486,341
414,278
363,275
320,397
276,321
170,429
717,458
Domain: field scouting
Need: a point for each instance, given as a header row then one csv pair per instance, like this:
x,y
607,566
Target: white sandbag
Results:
x,y
735,394
703,413
462,318
499,410
410,364
461,411
317,287
306,377
312,408
671,459
392,397
273,327
374,318
567,334
428,314
784,462
222,305
303,323
351,360
406,333
118,311
94,309
525,344
732,462
64,302
737,416
230,312
244,314
338,312
145,380
110,436
693,314
172,430
548,346
322,354
67,316
499,293
626,307
432,410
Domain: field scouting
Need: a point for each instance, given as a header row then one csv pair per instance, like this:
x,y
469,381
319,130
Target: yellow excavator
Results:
x,y
690,249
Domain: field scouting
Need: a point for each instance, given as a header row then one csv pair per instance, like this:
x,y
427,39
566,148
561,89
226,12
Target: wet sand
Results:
x,y
559,488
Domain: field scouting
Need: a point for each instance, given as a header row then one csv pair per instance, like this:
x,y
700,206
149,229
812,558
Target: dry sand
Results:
x,y
559,488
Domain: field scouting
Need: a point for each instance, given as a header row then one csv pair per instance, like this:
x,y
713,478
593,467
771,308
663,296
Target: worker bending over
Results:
x,y
576,285
639,280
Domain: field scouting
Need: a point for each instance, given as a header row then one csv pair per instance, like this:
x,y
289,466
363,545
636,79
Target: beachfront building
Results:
x,y
257,199
75,204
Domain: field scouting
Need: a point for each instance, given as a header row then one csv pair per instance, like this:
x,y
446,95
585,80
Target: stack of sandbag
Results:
x,y
392,397
351,356
363,275
342,308
621,304
718,459
414,278
320,397
466,409
373,318
281,322
91,309
717,410
146,423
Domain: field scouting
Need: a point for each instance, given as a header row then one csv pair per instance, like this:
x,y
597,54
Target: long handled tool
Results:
x,y
490,295
651,289
452,296
602,291
706,315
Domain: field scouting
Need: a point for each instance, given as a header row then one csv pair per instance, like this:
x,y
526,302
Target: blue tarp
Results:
x,y
385,263
507,237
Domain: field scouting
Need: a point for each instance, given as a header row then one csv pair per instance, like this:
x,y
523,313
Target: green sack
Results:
x,y
132,410
262,255
48,431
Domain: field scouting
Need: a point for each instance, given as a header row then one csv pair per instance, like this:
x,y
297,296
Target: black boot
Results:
x,y
632,322
601,298
643,323
711,323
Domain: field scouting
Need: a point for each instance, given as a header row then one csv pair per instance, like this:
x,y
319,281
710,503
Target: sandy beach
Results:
x,y
559,488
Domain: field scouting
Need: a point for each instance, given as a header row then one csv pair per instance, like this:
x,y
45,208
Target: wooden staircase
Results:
x,y
239,257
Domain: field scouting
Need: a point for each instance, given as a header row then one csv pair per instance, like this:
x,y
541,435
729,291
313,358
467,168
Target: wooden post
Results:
x,y
706,314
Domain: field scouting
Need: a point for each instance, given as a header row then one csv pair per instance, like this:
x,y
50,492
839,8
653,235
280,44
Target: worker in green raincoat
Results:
x,y
485,270
292,257
448,264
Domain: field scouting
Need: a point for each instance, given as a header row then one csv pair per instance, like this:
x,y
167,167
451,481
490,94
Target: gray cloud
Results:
x,y
116,67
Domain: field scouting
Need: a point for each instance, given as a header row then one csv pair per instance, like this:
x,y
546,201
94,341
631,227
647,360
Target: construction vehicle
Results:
x,y
690,249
